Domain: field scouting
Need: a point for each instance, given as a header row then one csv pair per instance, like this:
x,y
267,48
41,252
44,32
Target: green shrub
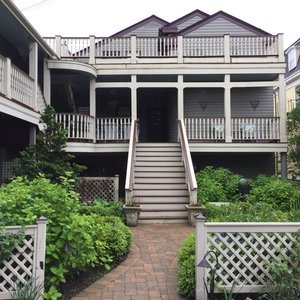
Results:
x,y
186,268
217,185
91,240
279,193
103,207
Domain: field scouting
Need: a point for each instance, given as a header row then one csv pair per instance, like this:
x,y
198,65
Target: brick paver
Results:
x,y
150,270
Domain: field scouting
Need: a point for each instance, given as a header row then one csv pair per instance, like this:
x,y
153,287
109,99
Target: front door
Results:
x,y
156,125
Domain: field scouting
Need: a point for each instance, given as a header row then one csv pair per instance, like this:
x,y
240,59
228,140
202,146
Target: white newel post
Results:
x,y
47,82
133,49
226,48
40,253
280,47
93,107
200,253
180,49
92,60
133,98
58,45
7,74
227,109
33,69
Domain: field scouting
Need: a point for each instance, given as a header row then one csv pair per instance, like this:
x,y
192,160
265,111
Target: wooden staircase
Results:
x,y
160,183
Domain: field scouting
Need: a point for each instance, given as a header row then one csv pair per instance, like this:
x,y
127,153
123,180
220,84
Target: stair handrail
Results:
x,y
131,160
188,164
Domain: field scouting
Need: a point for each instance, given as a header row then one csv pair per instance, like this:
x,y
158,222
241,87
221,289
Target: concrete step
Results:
x,y
159,186
166,199
162,207
159,163
160,180
159,169
164,221
161,193
159,174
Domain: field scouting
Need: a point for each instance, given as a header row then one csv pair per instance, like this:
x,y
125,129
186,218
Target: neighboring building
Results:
x,y
213,73
292,77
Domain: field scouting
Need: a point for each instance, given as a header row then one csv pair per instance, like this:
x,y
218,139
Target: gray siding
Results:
x,y
189,22
240,102
220,26
148,30
193,98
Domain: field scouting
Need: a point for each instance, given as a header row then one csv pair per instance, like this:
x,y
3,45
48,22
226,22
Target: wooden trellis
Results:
x,y
27,259
243,251
91,188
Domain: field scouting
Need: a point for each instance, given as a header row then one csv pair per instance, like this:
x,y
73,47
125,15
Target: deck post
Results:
x,y
133,98
33,69
7,77
200,253
226,48
93,107
282,109
47,82
180,49
116,191
227,109
180,98
133,49
283,169
280,47
92,59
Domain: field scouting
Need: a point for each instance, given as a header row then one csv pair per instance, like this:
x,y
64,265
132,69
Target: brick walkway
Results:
x,y
150,270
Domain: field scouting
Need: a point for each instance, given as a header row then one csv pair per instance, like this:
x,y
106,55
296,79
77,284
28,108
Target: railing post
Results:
x,y
7,78
226,48
180,49
280,47
92,59
133,49
200,253
116,181
40,253
58,45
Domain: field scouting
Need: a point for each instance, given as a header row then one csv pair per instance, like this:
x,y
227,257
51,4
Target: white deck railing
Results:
x,y
243,251
26,261
163,47
205,128
255,129
188,164
78,126
113,129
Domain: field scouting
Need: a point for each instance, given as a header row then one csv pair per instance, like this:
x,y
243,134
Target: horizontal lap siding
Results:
x,y
188,22
241,98
150,29
220,26
194,98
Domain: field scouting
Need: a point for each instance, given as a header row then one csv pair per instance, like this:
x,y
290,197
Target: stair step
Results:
x,y
154,180
159,163
159,154
161,200
160,186
158,145
164,221
159,174
159,158
158,169
161,193
162,207
157,149
163,214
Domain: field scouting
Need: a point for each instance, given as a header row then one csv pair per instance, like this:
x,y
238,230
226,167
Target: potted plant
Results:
x,y
132,211
193,210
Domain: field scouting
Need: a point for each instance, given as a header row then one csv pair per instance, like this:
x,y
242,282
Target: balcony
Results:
x,y
223,49
84,128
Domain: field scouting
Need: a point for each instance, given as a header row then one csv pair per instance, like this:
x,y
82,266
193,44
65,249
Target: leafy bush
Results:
x,y
279,193
91,240
103,207
217,185
186,268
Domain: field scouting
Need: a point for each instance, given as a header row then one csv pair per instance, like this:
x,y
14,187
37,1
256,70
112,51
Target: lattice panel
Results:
x,y
19,266
243,256
91,188
7,169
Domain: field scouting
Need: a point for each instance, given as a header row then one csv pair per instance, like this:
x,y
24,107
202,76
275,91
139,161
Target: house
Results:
x,y
292,77
153,102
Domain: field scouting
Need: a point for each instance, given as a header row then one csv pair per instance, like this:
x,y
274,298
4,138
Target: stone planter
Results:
x,y
194,210
132,214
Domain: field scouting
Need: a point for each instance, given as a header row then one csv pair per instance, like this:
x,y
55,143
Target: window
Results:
x,y
292,61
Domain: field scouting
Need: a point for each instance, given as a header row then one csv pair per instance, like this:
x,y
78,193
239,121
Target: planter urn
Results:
x,y
193,211
132,214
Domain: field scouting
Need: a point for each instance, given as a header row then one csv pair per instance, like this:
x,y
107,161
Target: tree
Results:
x,y
293,125
48,155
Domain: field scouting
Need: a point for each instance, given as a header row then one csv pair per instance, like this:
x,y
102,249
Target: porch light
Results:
x,y
205,264
254,104
203,105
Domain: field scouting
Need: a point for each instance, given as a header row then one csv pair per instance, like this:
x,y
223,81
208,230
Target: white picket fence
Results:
x,y
243,251
27,259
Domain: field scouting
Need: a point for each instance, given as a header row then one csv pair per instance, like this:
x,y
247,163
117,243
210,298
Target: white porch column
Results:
x,y
180,98
32,134
7,78
47,83
93,106
227,109
282,108
33,68
133,98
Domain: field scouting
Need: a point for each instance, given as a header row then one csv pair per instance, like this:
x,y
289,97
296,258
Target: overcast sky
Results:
x,y
104,18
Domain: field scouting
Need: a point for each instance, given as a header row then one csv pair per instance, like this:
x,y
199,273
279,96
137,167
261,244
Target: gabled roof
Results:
x,y
295,44
226,16
185,18
140,24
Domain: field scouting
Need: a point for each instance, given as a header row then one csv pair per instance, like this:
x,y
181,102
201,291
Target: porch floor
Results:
x,y
150,270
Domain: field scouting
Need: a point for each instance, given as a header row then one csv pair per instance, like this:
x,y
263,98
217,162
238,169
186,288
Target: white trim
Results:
x,y
97,148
